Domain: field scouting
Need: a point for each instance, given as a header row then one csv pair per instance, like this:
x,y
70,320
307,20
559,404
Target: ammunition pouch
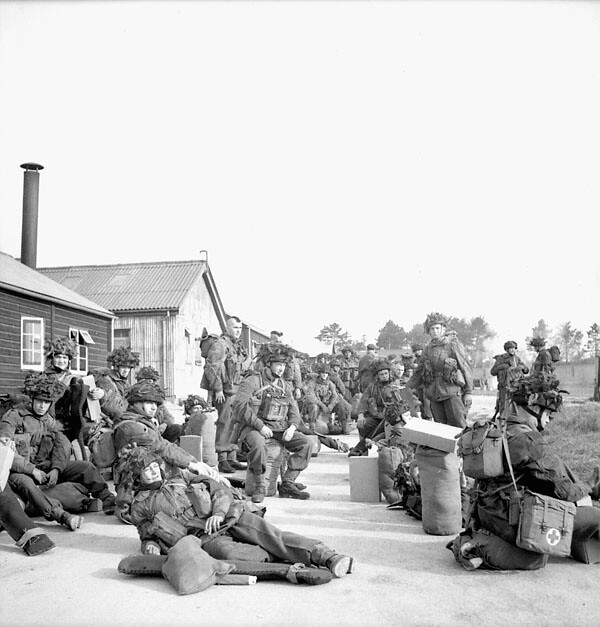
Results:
x,y
167,529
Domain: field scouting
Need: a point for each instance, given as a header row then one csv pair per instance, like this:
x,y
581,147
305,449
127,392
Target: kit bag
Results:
x,y
480,446
482,549
388,460
546,524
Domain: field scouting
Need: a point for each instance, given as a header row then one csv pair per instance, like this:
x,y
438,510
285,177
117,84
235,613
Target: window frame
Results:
x,y
39,367
80,337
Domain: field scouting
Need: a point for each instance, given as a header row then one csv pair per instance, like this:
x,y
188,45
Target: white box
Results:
x,y
364,479
433,434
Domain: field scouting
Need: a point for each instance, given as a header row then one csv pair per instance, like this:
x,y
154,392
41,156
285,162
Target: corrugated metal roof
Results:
x,y
19,277
132,286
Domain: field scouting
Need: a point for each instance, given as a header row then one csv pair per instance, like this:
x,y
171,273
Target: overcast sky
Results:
x,y
340,161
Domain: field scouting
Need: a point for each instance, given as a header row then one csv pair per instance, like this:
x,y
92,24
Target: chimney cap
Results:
x,y
32,166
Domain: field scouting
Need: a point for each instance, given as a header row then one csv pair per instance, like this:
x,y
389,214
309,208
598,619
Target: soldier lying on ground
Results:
x,y
138,426
164,511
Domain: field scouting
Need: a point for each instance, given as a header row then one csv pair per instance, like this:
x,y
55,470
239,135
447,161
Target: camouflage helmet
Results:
x,y
435,317
123,356
323,368
335,362
61,346
145,392
147,372
381,364
416,347
43,386
278,353
194,400
537,342
138,458
510,344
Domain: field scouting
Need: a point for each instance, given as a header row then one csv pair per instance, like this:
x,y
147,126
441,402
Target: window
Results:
x,y
32,341
82,338
121,337
190,348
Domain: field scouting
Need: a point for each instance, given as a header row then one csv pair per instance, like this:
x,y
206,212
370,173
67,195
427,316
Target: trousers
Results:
x,y
299,446
12,517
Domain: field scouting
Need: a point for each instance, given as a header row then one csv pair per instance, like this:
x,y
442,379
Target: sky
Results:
x,y
349,162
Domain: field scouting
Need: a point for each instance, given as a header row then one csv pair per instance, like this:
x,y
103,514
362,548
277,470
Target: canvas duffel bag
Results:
x,y
546,524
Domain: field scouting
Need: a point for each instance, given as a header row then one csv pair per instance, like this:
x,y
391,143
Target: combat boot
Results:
x,y
289,490
70,521
259,493
337,564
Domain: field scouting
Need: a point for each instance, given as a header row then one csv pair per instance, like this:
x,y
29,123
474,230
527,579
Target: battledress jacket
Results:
x,y
224,365
247,401
377,397
505,363
40,442
322,393
174,498
138,428
113,404
443,370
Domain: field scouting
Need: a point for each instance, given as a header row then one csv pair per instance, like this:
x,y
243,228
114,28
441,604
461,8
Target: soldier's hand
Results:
x,y
200,468
52,478
219,397
297,394
96,394
288,434
40,476
467,400
360,422
266,432
213,523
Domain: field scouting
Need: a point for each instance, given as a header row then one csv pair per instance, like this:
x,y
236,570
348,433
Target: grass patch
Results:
x,y
574,435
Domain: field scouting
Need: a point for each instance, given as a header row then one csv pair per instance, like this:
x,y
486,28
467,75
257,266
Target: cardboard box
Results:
x,y
364,480
433,434
586,552
192,444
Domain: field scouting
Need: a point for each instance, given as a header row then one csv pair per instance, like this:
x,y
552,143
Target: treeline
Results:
x,y
474,333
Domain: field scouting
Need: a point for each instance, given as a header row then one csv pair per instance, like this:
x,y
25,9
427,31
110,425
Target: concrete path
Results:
x,y
403,576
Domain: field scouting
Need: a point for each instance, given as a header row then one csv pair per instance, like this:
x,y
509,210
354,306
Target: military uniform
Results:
x,y
321,399
509,369
225,363
266,400
446,375
365,374
349,374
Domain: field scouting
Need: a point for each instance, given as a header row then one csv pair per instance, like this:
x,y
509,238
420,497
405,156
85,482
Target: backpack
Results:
x,y
206,341
480,447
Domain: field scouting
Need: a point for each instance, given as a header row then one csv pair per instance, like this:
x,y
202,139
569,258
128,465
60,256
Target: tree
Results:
x,y
473,334
417,335
569,338
391,336
359,345
593,341
333,334
541,329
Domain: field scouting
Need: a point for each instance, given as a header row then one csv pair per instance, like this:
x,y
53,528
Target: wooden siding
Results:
x,y
57,321
149,337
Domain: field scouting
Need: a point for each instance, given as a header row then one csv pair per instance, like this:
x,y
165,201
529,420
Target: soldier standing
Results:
x,y
445,373
225,363
509,368
365,375
349,371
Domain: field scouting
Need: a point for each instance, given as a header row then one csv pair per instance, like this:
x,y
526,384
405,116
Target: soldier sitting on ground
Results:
x,y
43,453
321,400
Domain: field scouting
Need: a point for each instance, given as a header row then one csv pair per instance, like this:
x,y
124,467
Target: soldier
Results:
x,y
343,407
169,429
509,368
349,371
207,509
445,373
321,398
365,375
43,453
70,409
543,362
114,381
292,372
139,427
379,395
226,361
264,408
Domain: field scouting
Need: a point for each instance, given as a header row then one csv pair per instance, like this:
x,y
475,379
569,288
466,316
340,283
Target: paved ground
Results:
x,y
403,577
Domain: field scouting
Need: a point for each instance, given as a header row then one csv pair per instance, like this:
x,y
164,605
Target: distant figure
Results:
x,y
509,368
365,374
